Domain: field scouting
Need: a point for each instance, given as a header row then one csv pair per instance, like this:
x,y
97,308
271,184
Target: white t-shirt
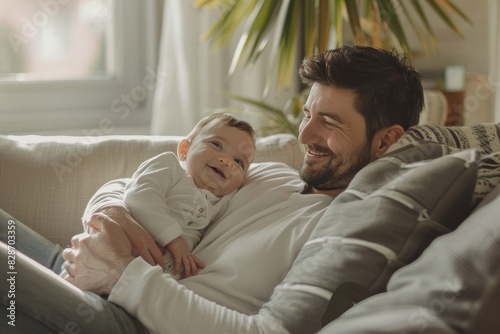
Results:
x,y
247,253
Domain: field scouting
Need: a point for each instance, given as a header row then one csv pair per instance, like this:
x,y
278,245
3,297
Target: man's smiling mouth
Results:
x,y
318,153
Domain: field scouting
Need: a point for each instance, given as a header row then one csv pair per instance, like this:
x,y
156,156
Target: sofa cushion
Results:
x,y
454,287
48,180
483,137
388,215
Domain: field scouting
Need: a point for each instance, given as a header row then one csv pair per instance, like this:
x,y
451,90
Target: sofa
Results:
x,y
450,174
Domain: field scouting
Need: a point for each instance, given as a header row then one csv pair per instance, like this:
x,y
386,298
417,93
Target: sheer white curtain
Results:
x,y
495,55
192,75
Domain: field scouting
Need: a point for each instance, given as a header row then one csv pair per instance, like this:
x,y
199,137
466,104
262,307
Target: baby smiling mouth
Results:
x,y
218,171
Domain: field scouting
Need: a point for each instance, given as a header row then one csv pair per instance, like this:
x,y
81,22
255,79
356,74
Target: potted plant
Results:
x,y
294,29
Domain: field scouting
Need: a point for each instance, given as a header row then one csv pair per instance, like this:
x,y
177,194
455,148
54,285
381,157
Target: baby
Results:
x,y
175,198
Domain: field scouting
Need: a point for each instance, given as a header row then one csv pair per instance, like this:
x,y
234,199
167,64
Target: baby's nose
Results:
x,y
226,161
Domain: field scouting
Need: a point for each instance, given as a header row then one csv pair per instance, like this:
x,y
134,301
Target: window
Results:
x,y
44,43
75,64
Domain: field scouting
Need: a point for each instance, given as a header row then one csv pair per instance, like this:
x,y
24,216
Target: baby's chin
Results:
x,y
213,188
221,192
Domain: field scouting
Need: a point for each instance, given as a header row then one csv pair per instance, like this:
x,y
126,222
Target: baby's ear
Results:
x,y
182,149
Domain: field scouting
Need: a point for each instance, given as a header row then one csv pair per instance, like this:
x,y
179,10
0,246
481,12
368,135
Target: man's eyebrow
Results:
x,y
333,116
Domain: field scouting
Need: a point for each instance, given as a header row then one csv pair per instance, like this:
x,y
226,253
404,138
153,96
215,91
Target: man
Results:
x,y
361,101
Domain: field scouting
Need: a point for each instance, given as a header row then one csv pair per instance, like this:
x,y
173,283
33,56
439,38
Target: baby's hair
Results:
x,y
228,119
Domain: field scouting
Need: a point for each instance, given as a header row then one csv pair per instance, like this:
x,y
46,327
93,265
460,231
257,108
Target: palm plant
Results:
x,y
298,28
279,120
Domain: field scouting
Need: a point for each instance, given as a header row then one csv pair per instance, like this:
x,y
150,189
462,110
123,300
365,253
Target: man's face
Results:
x,y
334,135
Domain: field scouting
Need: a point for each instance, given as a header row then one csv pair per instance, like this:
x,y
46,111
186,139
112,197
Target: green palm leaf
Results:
x,y
393,22
312,21
354,21
281,122
297,28
445,17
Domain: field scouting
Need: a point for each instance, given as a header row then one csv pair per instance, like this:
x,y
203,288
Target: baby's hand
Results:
x,y
182,256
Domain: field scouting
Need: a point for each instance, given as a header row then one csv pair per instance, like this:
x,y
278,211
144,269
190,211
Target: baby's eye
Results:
x,y
216,144
239,162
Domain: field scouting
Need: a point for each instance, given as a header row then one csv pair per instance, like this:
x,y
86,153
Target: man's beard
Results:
x,y
338,172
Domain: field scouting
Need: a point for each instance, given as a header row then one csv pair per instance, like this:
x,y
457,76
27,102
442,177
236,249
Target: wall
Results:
x,y
472,52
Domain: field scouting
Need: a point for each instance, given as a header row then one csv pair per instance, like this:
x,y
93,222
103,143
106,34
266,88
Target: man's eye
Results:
x,y
329,123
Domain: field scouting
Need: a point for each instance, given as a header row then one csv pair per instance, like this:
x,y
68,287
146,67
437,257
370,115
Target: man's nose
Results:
x,y
226,161
309,132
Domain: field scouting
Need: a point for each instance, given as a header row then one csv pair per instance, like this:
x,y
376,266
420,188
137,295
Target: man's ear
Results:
x,y
182,149
385,138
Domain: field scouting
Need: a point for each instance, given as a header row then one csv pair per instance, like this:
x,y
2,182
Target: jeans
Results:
x,y
36,300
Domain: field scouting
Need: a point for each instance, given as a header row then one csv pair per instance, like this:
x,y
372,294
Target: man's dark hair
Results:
x,y
388,90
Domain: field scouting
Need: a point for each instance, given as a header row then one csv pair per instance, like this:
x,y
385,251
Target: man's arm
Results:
x,y
97,260
109,201
102,262
135,287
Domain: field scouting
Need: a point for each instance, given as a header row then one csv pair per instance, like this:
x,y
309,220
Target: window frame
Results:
x,y
93,105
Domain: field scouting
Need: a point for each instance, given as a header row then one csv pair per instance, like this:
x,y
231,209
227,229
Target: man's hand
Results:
x,y
142,243
96,261
182,256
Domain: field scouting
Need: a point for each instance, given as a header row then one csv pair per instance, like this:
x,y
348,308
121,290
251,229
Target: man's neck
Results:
x,y
330,192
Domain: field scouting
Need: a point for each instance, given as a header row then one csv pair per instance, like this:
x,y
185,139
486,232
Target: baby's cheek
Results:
x,y
237,175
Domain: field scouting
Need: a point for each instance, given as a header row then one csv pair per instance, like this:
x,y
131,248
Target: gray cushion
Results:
x,y
483,137
454,287
389,214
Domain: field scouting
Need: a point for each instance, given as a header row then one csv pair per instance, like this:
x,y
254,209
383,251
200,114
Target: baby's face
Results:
x,y
218,158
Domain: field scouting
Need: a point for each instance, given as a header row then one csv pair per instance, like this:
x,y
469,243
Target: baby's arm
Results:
x,y
142,193
145,197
